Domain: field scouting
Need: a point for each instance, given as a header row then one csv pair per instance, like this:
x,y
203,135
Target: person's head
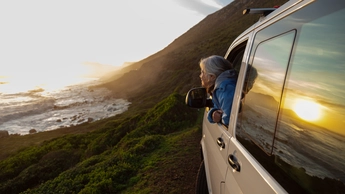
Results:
x,y
211,67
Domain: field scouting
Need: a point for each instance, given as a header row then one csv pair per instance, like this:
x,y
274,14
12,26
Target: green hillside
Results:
x,y
114,158
151,148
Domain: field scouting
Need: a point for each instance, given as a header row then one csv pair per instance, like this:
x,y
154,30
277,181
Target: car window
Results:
x,y
236,55
262,96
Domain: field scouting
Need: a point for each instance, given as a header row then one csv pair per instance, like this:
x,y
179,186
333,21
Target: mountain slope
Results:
x,y
175,68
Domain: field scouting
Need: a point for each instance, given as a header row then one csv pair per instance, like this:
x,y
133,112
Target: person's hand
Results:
x,y
217,116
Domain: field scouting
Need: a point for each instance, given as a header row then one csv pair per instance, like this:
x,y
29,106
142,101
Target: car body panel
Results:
x,y
215,162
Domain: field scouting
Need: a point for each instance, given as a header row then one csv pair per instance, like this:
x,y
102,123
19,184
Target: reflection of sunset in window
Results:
x,y
307,109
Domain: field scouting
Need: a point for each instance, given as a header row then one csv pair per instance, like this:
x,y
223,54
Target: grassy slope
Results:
x,y
145,150
125,155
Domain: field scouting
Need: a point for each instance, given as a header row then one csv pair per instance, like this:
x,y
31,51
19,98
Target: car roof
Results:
x,y
275,15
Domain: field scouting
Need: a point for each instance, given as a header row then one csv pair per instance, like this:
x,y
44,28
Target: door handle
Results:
x,y
234,163
220,142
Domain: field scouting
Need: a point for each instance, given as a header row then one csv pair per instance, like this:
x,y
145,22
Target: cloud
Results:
x,y
203,7
198,6
223,2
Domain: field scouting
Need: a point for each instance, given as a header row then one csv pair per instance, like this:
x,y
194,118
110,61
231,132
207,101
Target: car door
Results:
x,y
214,143
255,124
216,137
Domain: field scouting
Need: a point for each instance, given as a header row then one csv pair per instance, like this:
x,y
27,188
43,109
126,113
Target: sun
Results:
x,y
307,109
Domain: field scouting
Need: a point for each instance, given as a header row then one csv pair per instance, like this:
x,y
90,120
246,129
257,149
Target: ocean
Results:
x,y
40,110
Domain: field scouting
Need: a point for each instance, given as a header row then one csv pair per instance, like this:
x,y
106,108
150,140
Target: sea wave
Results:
x,y
16,111
41,110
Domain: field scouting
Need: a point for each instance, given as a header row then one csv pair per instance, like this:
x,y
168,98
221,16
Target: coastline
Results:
x,y
38,110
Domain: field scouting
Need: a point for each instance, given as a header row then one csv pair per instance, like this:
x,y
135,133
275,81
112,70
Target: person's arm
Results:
x,y
210,113
225,97
212,110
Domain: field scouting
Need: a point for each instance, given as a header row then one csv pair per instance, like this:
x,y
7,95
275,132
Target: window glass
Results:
x,y
263,89
311,135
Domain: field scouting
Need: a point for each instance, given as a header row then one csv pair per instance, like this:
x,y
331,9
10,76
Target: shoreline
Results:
x,y
68,107
12,143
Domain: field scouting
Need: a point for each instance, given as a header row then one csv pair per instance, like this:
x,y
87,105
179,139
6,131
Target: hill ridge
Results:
x,y
180,58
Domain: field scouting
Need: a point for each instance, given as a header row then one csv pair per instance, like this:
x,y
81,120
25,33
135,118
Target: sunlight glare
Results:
x,y
47,79
307,109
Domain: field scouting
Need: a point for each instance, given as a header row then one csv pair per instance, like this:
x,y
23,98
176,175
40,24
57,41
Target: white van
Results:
x,y
287,125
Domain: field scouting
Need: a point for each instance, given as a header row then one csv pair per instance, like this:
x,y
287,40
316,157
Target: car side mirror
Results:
x,y
197,98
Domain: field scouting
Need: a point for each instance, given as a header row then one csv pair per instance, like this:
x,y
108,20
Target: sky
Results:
x,y
42,40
